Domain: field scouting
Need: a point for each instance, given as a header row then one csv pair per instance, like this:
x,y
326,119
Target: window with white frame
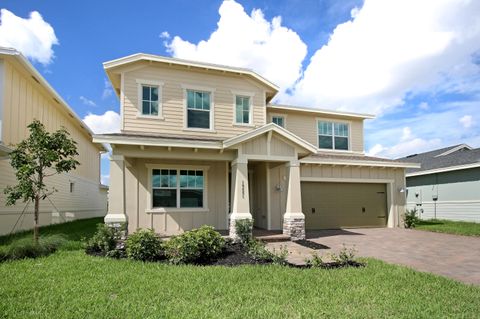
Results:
x,y
279,120
150,105
333,135
198,109
177,188
242,109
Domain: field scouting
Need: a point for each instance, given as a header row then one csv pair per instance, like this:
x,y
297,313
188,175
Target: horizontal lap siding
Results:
x,y
304,125
25,100
173,101
87,200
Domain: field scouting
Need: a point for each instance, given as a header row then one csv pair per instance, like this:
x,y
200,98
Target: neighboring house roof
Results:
x,y
110,65
10,52
445,159
360,160
274,107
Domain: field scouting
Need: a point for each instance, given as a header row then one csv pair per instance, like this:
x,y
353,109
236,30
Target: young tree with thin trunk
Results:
x,y
36,158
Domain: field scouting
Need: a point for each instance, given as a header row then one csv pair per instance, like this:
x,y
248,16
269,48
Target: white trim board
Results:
x,y
444,169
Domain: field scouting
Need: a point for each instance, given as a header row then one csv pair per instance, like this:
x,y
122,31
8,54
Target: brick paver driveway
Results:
x,y
457,257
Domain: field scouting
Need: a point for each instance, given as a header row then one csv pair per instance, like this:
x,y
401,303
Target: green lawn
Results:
x,y
450,227
70,284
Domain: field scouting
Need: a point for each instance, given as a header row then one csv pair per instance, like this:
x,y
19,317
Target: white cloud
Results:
x,y
32,36
165,35
109,122
466,121
87,101
107,89
389,49
424,106
251,41
408,144
105,179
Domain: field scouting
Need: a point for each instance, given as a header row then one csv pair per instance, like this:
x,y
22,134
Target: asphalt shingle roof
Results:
x,y
434,159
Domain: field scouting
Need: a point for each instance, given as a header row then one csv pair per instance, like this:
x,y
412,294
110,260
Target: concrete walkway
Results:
x,y
453,256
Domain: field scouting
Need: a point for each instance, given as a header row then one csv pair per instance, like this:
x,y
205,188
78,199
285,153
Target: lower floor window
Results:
x,y
177,188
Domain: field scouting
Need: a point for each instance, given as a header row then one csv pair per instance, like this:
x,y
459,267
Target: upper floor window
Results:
x,y
333,135
242,109
198,109
279,120
150,100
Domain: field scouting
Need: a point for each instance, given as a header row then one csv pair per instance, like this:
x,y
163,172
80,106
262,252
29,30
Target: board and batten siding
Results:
x,y
458,195
23,100
304,125
172,96
137,191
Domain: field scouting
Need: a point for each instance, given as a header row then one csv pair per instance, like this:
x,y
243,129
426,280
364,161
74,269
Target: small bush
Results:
x,y
315,261
410,218
144,245
243,229
27,248
195,246
257,250
345,257
103,241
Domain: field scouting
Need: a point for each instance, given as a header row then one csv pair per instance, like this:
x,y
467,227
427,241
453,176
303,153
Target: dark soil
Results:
x,y
235,255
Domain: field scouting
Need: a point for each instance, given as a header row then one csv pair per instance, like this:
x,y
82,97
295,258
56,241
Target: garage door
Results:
x,y
339,205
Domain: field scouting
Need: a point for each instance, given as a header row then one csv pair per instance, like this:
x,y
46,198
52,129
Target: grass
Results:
x,y
70,284
73,231
450,227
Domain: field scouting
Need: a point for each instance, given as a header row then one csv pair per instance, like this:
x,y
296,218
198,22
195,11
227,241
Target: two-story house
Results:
x,y
201,144
24,96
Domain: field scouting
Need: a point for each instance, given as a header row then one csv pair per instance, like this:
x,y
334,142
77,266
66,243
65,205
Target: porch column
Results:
x,y
240,194
294,219
116,194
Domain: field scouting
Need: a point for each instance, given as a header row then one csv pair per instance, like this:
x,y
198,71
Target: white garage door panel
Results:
x,y
338,205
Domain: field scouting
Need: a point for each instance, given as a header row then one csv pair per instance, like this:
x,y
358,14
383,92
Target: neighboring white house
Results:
x,y
24,96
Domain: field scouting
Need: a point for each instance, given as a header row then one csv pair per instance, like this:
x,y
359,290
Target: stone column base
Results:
x,y
294,227
232,232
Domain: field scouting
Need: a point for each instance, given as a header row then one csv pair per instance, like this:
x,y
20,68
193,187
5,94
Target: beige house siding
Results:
x,y
137,191
23,100
173,101
87,200
304,125
26,100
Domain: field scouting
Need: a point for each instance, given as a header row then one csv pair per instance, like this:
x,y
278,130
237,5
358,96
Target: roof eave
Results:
x,y
320,111
443,169
154,141
360,163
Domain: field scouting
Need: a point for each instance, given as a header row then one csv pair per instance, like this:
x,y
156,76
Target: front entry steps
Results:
x,y
270,236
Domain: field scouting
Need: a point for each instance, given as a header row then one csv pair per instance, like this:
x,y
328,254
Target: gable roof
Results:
x,y
110,65
270,127
445,159
12,53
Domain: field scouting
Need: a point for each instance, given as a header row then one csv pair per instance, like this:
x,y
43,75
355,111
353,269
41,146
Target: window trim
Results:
x,y
284,116
186,87
149,206
333,121
250,95
159,85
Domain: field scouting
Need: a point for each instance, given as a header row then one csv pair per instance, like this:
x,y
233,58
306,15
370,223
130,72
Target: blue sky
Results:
x,y
414,65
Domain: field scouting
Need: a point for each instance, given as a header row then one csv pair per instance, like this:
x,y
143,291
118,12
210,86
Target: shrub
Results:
x,y
243,229
257,250
144,245
345,257
410,218
315,261
27,248
195,246
103,241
